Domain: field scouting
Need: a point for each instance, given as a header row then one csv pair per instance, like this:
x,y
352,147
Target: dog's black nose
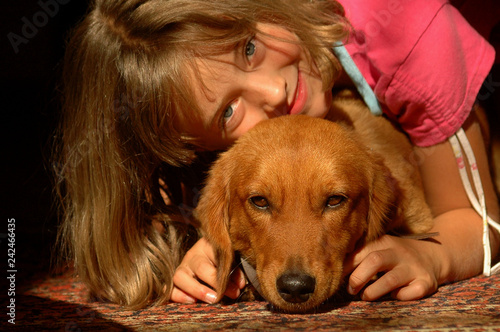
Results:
x,y
295,287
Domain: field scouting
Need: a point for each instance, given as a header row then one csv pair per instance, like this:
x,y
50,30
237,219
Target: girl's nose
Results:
x,y
269,93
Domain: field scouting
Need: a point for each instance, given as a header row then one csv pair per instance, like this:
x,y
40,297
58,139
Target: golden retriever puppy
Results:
x,y
296,194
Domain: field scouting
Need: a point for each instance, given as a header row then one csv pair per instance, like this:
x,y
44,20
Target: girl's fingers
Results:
x,y
196,277
179,296
201,292
186,282
407,274
390,281
414,291
367,270
358,256
238,277
236,284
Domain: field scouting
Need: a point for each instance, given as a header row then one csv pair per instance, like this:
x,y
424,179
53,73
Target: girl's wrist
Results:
x,y
458,249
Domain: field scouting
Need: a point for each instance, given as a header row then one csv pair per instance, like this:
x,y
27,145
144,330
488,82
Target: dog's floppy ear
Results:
x,y
212,212
383,199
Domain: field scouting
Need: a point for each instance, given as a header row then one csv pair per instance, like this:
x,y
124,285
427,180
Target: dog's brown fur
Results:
x,y
297,165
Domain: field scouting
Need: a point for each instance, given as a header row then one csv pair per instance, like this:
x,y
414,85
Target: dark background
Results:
x,y
29,111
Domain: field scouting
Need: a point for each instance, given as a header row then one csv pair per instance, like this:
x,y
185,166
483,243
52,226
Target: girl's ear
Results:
x,y
212,212
382,211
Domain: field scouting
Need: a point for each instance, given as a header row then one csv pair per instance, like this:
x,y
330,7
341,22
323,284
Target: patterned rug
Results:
x,y
60,304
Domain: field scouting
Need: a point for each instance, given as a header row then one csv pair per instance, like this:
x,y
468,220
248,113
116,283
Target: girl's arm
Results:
x,y
414,269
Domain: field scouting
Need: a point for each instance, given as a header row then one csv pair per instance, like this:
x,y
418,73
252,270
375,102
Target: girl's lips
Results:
x,y
300,97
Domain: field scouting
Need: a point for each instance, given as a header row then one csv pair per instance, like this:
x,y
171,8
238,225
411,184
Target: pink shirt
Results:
x,y
424,62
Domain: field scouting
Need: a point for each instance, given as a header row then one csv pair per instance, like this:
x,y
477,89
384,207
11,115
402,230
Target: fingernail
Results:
x,y
210,298
351,290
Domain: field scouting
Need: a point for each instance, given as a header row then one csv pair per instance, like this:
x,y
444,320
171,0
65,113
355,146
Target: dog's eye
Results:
x,y
259,202
334,201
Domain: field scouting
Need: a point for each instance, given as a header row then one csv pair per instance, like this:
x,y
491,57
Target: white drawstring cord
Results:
x,y
458,142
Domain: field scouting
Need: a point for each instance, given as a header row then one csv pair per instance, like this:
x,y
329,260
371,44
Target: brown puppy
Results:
x,y
296,194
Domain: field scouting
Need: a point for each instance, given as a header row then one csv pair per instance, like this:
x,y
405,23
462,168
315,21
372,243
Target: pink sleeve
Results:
x,y
424,62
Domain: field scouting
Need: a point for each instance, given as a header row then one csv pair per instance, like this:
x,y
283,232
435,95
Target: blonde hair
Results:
x,y
125,85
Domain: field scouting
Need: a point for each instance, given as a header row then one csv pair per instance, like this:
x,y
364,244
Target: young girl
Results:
x,y
152,87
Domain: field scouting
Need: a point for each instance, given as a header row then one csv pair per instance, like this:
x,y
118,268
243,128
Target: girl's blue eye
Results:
x,y
229,112
250,48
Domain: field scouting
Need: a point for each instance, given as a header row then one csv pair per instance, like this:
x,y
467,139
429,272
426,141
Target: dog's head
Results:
x,y
294,196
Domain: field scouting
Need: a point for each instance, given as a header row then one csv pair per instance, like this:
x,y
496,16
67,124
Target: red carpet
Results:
x,y
60,304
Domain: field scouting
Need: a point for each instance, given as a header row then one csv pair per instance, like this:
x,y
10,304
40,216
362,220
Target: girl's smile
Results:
x,y
300,96
270,76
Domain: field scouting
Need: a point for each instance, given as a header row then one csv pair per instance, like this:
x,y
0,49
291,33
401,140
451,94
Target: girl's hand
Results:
x,y
409,266
196,271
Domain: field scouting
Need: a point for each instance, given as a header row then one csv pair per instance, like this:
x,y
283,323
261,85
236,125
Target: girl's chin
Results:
x,y
315,113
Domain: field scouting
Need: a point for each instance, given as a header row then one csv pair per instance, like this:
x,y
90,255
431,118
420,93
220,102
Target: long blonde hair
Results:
x,y
125,85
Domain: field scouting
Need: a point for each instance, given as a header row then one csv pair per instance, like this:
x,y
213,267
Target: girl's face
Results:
x,y
265,78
